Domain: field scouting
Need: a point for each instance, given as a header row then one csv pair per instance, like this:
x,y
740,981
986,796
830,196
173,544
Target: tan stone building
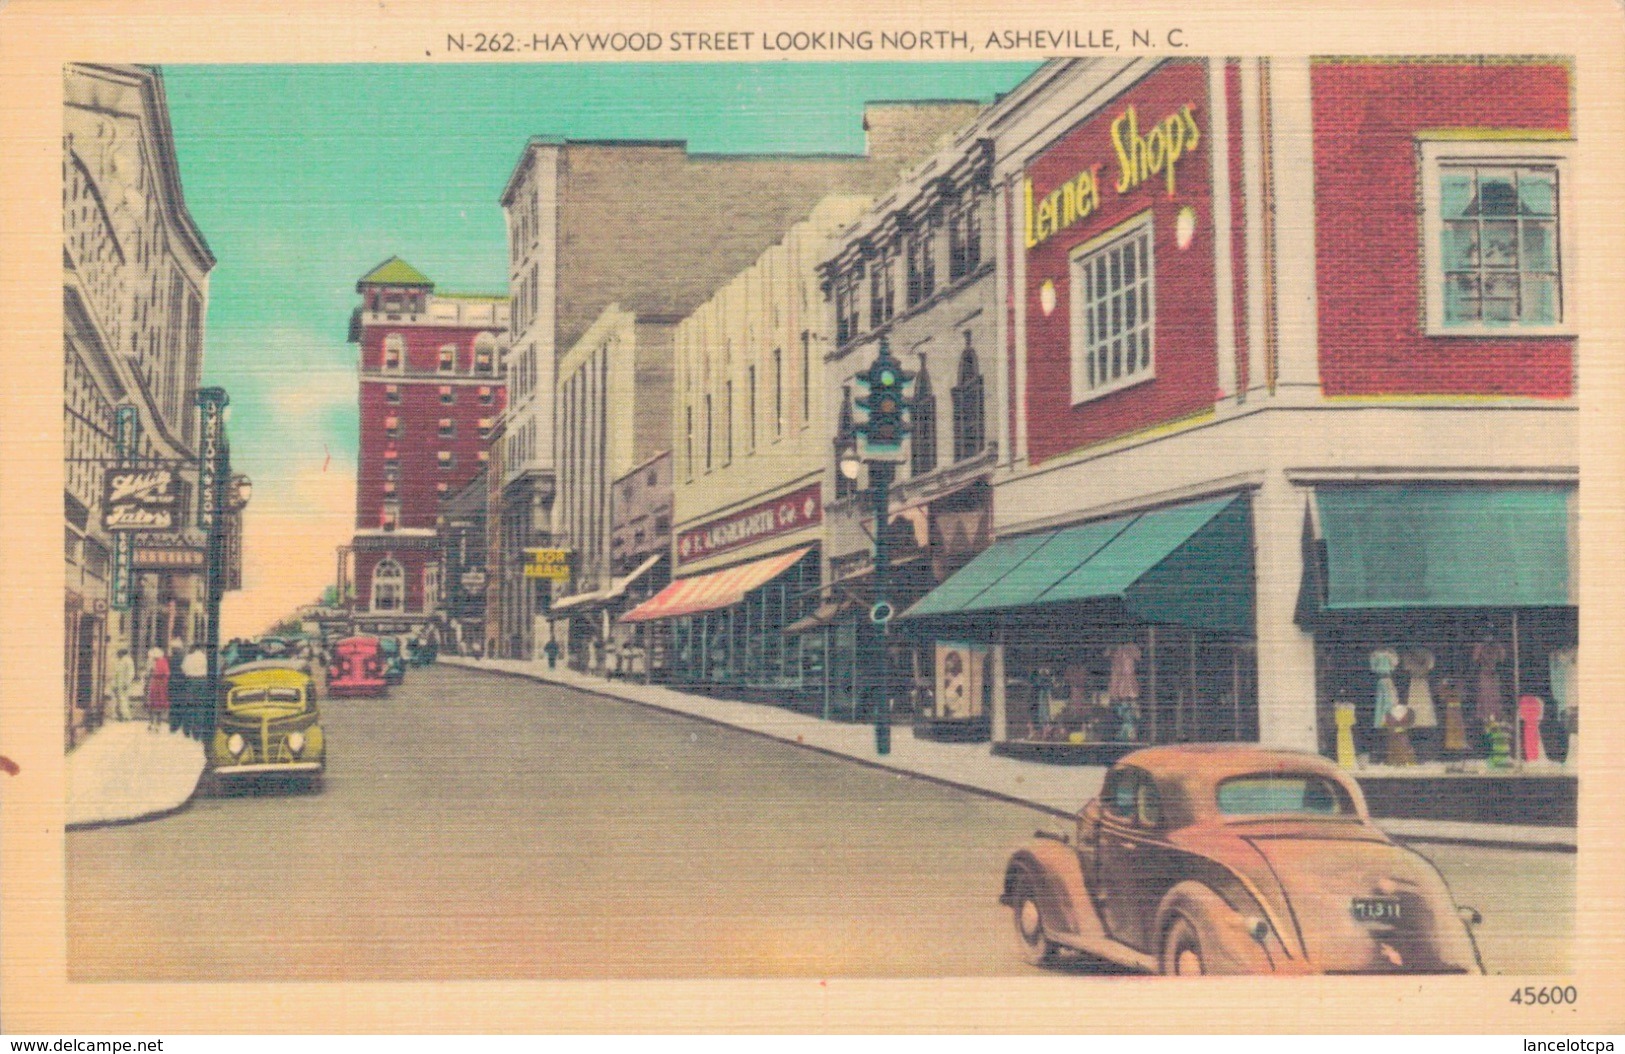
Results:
x,y
655,229
750,451
135,292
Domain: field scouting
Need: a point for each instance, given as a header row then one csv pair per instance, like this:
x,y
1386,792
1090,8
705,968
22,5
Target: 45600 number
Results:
x,y
1529,995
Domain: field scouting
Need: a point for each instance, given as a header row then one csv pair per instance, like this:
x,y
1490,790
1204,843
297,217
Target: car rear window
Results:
x,y
1282,793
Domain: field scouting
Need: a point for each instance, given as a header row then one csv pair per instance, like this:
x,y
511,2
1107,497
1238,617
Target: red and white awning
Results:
x,y
719,589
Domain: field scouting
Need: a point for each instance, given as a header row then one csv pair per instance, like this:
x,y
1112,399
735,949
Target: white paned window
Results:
x,y
1113,311
1496,255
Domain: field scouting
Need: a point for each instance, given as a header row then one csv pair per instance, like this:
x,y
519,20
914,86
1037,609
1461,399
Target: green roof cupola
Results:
x,y
396,273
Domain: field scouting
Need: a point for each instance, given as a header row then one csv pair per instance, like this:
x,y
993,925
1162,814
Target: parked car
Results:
x,y
1224,858
269,725
421,652
356,668
394,659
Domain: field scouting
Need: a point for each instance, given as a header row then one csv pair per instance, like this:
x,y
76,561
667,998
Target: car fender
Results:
x,y
1229,943
1052,867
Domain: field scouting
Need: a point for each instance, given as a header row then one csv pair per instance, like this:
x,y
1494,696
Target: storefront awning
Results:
x,y
827,614
1445,546
621,584
1189,564
600,597
719,589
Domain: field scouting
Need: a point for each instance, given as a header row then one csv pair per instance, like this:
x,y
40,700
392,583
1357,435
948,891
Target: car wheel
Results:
x,y
1036,948
1182,950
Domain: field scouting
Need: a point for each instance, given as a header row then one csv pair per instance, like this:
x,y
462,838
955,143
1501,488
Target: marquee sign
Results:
x,y
798,509
139,499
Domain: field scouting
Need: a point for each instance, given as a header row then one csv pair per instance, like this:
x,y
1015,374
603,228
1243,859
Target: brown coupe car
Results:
x,y
1235,859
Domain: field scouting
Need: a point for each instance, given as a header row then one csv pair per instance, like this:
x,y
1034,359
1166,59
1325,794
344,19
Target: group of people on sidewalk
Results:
x,y
174,688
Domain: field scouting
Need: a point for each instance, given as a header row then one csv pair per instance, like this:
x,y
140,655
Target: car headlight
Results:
x,y
235,744
296,741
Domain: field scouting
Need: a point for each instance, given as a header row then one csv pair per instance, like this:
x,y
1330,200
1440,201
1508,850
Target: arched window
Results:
x,y
970,433
388,585
923,434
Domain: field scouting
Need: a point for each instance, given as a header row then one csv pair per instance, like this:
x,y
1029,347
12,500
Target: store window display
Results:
x,y
1160,684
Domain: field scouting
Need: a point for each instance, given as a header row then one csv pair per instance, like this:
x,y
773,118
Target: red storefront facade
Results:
x,y
1250,303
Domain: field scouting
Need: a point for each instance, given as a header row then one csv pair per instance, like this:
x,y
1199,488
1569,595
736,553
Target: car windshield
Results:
x,y
251,696
1282,793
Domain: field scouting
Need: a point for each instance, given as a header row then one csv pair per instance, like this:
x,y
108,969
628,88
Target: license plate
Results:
x,y
1376,909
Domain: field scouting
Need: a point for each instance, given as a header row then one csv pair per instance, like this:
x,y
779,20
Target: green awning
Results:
x,y
1189,564
1445,546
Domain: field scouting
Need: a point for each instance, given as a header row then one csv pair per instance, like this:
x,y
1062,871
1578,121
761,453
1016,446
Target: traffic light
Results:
x,y
887,404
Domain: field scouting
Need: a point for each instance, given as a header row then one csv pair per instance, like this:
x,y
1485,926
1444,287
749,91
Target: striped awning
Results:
x,y
719,589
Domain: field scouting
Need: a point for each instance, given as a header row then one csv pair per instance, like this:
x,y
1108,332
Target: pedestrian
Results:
x,y
199,720
179,695
122,684
157,689
551,650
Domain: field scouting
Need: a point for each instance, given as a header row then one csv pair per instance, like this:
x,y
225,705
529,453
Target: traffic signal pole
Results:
x,y
881,474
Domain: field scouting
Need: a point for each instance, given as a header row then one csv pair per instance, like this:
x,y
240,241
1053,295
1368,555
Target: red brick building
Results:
x,y
430,395
1291,354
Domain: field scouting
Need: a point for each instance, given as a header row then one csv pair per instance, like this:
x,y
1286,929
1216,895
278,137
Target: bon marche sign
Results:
x,y
795,510
1155,151
551,564
141,499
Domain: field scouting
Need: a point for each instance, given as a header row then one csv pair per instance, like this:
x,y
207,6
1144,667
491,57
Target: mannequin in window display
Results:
x,y
1530,711
1124,690
1488,655
1344,717
1565,702
1418,664
1455,725
1384,661
1398,721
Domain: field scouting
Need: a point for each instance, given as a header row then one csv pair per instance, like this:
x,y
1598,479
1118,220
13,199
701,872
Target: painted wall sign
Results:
x,y
795,510
139,499
1156,152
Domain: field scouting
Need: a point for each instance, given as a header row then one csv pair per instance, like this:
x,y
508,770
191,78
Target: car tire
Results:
x,y
1035,946
1182,949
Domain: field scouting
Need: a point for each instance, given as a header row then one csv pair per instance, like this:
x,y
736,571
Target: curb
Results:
x,y
1048,810
94,825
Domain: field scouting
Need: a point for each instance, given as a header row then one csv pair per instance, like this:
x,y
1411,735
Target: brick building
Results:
x,y
1291,425
430,394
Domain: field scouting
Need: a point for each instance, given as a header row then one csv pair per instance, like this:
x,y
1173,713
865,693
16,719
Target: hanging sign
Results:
x,y
139,499
551,564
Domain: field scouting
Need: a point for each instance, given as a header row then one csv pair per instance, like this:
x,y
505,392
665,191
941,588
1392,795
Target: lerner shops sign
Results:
x,y
798,509
1156,151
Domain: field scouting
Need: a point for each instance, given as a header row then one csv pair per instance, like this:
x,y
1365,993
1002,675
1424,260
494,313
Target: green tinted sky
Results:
x,y
304,177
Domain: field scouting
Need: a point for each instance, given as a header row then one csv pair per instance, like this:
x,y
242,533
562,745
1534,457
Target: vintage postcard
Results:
x,y
857,519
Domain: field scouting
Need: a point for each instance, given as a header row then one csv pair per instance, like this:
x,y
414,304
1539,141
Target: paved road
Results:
x,y
476,827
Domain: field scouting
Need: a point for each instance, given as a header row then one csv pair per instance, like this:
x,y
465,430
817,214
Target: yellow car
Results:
x,y
269,726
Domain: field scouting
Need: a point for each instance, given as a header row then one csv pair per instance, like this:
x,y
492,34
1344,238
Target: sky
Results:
x,y
303,178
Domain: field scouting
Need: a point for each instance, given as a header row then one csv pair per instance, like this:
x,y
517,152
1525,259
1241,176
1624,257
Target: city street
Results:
x,y
479,827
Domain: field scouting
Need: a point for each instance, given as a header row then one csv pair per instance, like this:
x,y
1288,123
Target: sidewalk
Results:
x,y
1058,789
125,772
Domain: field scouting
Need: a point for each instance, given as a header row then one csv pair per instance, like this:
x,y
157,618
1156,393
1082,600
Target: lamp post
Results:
x,y
878,441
